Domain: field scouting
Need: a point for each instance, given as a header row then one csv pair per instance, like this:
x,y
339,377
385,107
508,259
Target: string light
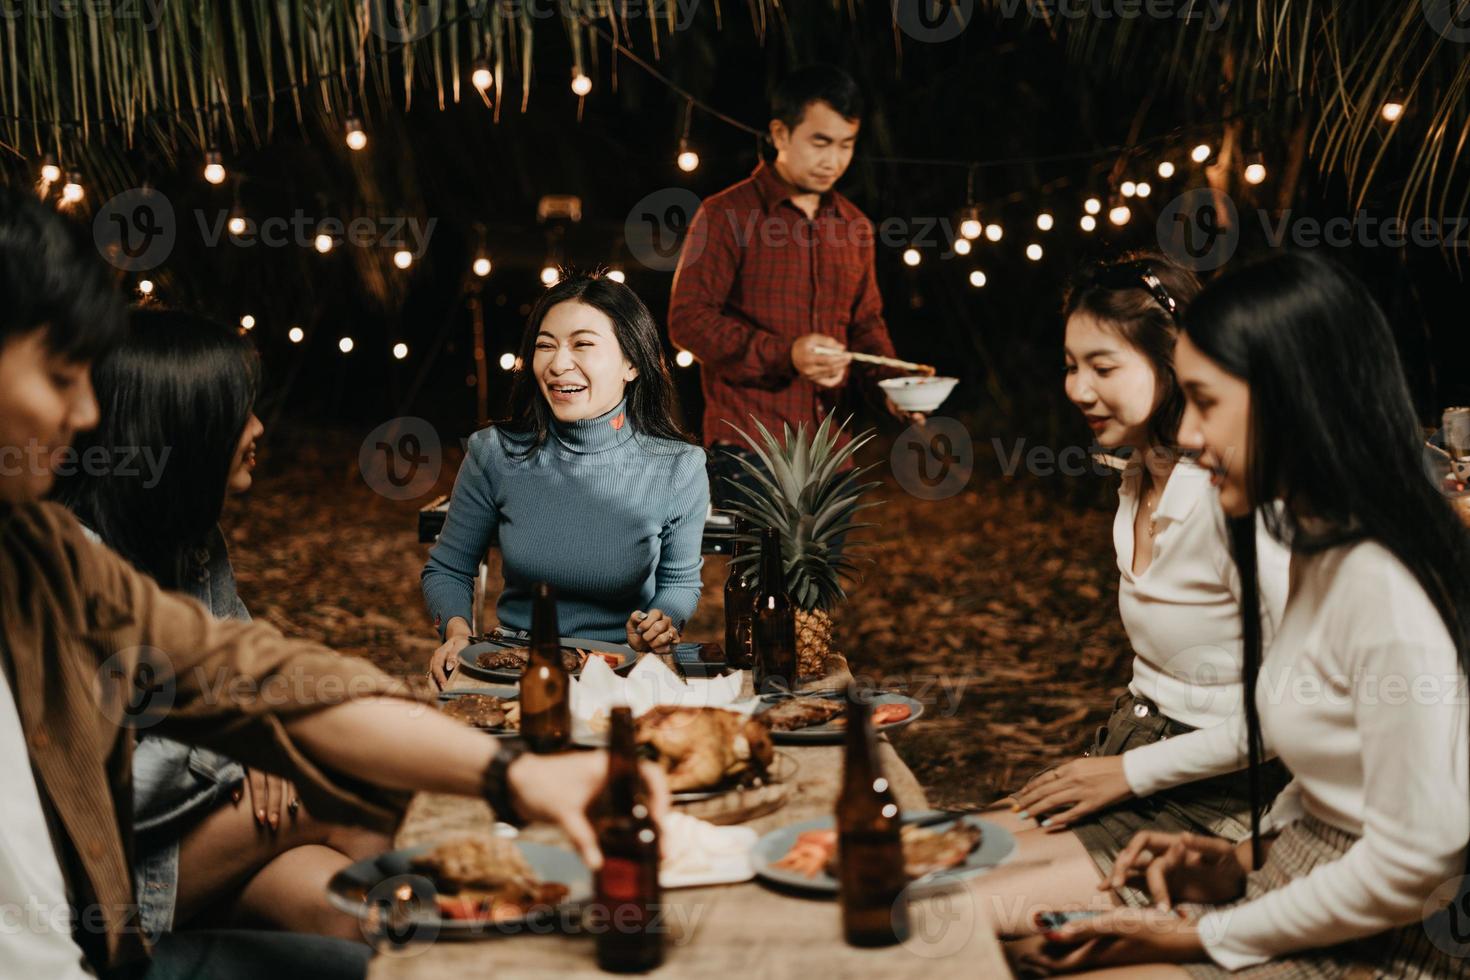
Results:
x,y
345,345
237,221
481,266
1144,188
1034,252
1092,205
1255,169
684,359
1166,170
688,160
977,279
1045,221
549,275
71,191
1129,188
617,275
1120,215
403,258
581,84
356,138
50,172
214,167
507,361
994,232
247,322
145,286
1088,223
323,242
481,76
962,246
911,257
1392,110
296,335
400,351
1200,153
971,226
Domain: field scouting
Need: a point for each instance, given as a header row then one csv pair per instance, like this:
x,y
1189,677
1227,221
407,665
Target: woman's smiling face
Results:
x,y
578,362
1216,423
1110,381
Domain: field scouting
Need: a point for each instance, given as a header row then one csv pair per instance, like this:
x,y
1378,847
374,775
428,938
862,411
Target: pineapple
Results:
x,y
804,493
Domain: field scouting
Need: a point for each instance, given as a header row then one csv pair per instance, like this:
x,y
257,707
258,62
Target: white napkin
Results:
x,y
598,690
699,853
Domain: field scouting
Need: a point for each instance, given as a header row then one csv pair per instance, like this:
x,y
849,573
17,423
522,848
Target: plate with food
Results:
x,y
472,885
496,710
821,719
937,848
494,660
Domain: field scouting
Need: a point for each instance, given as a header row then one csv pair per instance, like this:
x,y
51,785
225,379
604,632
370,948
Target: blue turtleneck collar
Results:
x,y
585,436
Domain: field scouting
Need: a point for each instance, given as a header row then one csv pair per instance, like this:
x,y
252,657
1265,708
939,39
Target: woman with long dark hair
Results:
x,y
177,402
591,484
1295,392
1178,596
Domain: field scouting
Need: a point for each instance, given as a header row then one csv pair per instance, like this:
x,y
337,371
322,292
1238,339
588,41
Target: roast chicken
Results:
x,y
701,748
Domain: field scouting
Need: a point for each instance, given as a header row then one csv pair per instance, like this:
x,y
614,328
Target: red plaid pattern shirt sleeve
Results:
x,y
754,275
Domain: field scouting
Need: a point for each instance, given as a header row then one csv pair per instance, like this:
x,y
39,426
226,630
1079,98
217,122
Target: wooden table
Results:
x,y
744,931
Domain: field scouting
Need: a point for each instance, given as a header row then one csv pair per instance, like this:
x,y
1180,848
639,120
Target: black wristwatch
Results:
x,y
496,786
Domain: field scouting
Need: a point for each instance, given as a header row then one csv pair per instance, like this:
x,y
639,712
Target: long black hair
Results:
x,y
1333,434
182,385
652,404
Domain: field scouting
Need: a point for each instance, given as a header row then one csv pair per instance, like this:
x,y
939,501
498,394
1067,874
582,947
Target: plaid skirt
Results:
x,y
1219,807
1420,951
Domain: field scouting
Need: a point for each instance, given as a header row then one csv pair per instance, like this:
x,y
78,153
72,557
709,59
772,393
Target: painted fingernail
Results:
x,y
1045,822
260,815
1024,815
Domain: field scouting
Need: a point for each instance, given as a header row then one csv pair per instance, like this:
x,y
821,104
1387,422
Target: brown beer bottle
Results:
x,y
546,697
773,629
630,937
871,878
739,603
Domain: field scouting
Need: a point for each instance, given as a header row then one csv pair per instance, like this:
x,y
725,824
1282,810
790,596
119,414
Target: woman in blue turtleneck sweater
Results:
x,y
591,484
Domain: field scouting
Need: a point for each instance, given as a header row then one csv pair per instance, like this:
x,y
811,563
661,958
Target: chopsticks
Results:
x,y
892,362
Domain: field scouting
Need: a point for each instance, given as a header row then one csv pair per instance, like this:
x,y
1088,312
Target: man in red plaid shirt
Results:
x,y
775,284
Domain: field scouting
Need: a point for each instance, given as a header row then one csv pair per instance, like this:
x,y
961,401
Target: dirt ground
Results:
x,y
997,607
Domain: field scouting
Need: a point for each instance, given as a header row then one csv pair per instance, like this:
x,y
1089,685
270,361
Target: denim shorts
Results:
x,y
174,787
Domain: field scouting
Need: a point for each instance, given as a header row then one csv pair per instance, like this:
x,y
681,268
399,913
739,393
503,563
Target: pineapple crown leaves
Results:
x,y
803,493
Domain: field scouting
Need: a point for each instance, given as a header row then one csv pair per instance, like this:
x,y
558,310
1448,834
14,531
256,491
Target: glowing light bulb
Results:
x,y
1129,188
1045,221
911,257
617,275
1144,188
214,167
1092,205
962,246
323,242
1120,215
237,224
1255,169
400,351
549,275
581,84
1200,153
145,286
403,258
481,266
1033,252
247,322
345,345
688,161
1166,170
481,77
356,138
296,335
507,362
971,228
684,358
1392,110
50,172
977,279
1088,223
994,232
71,191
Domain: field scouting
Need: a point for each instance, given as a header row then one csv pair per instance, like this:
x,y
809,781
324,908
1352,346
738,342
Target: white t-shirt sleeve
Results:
x,y
1415,819
1186,758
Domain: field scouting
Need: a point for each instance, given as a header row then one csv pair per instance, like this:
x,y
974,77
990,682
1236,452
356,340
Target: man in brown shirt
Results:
x,y
87,644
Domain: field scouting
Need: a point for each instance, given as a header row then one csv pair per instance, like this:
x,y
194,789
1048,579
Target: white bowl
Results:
x,y
919,393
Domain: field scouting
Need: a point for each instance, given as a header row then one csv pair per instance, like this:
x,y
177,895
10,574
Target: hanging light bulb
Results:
x,y
1129,188
1144,188
50,172
356,137
403,258
617,275
581,84
962,246
1120,215
911,257
1255,169
71,191
145,286
323,242
684,359
1092,205
1200,153
345,345
688,159
971,226
507,362
296,335
481,77
549,275
994,232
247,322
236,224
1393,109
977,279
1088,223
481,266
1166,170
400,351
1045,221
1033,252
214,167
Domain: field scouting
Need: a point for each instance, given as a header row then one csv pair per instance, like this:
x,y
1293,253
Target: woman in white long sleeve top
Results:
x,y
1294,389
1178,595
